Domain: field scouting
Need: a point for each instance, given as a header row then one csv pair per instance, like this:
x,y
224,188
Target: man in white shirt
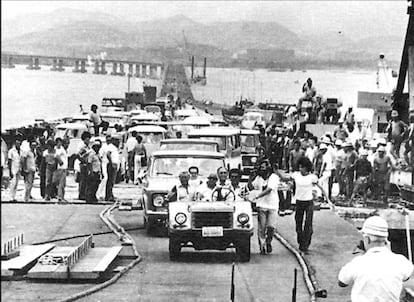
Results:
x,y
130,146
15,167
113,166
267,202
326,169
59,176
378,275
29,169
205,191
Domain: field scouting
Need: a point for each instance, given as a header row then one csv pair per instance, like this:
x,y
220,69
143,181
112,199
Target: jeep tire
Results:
x,y
174,248
243,248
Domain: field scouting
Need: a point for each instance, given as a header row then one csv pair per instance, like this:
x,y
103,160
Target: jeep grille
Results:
x,y
202,219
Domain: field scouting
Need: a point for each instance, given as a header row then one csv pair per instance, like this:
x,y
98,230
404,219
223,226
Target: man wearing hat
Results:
x,y
381,178
339,157
205,191
363,172
396,130
378,275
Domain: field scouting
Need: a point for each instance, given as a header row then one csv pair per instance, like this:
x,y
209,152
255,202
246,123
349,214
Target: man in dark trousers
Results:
x,y
83,158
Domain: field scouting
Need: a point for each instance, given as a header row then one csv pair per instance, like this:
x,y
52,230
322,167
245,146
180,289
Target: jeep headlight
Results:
x,y
158,200
180,218
253,160
243,218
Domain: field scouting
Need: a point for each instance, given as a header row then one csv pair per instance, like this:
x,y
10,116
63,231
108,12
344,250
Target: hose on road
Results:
x,y
124,237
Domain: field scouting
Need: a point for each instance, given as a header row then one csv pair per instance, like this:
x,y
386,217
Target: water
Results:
x,y
43,94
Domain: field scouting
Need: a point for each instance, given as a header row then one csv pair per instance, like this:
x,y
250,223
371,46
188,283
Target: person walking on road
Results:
x,y
15,167
267,202
378,275
304,183
29,170
41,168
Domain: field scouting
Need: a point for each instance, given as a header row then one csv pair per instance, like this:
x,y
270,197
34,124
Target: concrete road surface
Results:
x,y
197,276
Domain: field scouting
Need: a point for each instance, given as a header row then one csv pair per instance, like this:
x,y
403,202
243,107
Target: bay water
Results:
x,y
27,95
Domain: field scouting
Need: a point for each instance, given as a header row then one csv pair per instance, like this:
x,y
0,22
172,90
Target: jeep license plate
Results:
x,y
212,231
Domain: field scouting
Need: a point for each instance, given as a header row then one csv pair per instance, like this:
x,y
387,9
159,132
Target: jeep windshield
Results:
x,y
172,166
189,146
248,141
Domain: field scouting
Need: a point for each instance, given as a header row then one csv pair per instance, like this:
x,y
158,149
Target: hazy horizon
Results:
x,y
376,18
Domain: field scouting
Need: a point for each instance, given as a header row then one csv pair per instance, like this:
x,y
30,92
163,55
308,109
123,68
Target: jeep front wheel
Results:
x,y
174,248
243,249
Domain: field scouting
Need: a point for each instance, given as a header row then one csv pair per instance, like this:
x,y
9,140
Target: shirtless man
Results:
x,y
382,170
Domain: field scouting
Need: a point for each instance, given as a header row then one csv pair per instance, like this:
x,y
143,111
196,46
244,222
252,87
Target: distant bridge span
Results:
x,y
135,68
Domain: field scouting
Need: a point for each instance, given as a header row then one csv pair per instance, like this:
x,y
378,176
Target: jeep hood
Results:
x,y
161,183
212,206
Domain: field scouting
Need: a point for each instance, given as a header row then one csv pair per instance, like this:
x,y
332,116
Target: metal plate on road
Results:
x,y
212,231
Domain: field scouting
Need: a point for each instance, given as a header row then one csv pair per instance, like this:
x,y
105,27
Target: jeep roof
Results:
x,y
214,131
187,153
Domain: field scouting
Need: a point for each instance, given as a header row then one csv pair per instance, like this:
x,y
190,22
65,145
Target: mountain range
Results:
x,y
65,31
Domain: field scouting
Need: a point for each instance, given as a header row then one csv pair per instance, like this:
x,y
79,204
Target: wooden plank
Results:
x,y
28,254
107,259
84,268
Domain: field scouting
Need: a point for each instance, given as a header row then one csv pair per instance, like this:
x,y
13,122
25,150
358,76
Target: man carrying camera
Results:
x,y
378,275
266,182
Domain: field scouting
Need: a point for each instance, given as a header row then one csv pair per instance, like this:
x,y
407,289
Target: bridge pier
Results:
x,y
54,68
96,69
83,66
34,64
130,69
60,65
137,66
114,68
8,63
121,69
103,71
76,69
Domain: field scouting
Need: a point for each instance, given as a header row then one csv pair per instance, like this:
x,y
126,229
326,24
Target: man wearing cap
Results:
x,y
381,177
396,129
363,172
205,190
378,275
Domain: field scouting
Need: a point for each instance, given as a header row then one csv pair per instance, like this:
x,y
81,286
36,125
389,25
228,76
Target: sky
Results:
x,y
384,17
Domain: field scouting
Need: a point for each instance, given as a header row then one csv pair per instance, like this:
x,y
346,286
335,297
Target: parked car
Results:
x,y
228,139
162,174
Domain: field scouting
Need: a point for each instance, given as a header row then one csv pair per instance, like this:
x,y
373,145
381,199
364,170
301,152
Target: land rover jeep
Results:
x,y
210,225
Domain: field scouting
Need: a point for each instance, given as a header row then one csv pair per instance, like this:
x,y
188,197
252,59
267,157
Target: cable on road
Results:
x,y
84,235
306,275
124,237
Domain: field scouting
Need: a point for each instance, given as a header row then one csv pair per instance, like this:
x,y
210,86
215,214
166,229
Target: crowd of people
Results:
x,y
351,156
47,157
